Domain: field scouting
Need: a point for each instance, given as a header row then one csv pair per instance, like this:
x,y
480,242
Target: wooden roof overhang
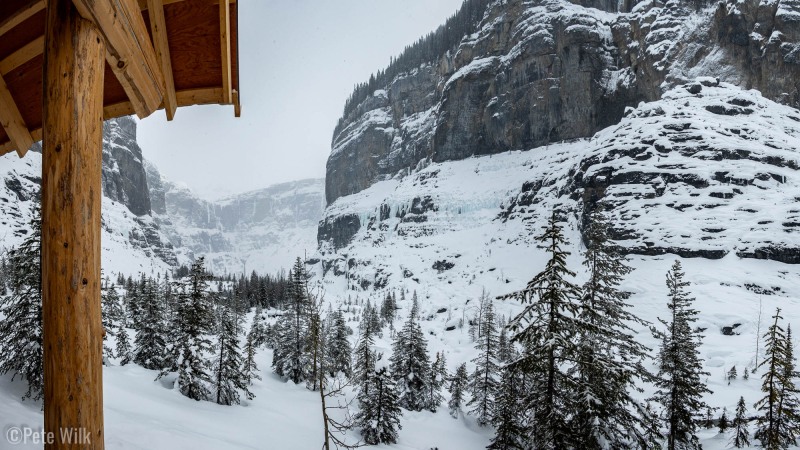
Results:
x,y
160,54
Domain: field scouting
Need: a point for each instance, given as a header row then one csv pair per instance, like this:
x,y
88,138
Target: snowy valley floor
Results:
x,y
145,414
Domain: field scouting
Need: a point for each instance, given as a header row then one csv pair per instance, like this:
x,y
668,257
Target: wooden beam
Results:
x,y
158,25
11,120
225,49
129,51
21,15
74,66
237,107
9,147
143,3
23,55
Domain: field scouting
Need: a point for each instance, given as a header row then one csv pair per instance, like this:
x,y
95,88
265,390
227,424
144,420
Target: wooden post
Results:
x,y
74,61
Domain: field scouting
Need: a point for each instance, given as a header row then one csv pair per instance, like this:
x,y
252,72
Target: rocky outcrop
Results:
x,y
551,70
124,178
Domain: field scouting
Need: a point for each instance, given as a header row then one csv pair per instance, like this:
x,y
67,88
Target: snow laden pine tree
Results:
x,y
21,312
258,329
379,416
151,341
364,359
192,346
249,367
609,367
439,377
111,311
292,356
680,375
338,352
458,390
484,381
777,422
229,377
508,418
741,435
410,365
546,329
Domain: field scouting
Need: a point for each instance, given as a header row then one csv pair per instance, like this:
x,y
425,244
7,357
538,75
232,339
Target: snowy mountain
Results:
x,y
532,72
127,226
262,230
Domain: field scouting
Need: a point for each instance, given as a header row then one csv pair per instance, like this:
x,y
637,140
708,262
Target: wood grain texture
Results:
x,y
11,121
158,27
129,51
71,202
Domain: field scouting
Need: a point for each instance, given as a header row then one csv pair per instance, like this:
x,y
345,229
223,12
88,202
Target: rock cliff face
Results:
x,y
124,177
262,230
550,70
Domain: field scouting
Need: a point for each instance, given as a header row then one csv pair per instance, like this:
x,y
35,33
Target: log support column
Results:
x,y
74,60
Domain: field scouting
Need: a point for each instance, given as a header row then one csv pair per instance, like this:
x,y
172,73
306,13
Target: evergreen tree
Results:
x,y
458,390
194,323
732,374
505,348
723,421
777,423
229,376
292,355
123,350
338,350
741,435
379,417
111,311
21,312
258,329
410,365
437,381
151,341
709,422
364,358
610,361
484,382
249,367
679,381
388,308
508,419
546,328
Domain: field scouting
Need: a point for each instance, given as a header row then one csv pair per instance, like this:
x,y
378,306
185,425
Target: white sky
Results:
x,y
299,62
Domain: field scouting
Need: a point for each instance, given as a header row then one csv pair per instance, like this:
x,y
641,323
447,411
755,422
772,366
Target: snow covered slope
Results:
x,y
124,232
708,175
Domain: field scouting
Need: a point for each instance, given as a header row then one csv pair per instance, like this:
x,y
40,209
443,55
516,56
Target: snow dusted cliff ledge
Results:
x,y
709,170
549,70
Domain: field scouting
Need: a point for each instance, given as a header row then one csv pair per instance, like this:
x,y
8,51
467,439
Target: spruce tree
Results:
x,y
229,376
111,311
123,349
249,367
292,356
546,329
388,308
723,421
609,367
741,435
458,390
379,417
21,310
150,345
679,380
410,365
258,329
194,323
437,381
508,420
338,350
484,381
732,374
777,423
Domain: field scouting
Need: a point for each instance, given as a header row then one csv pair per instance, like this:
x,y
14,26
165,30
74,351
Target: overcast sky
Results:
x,y
299,61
